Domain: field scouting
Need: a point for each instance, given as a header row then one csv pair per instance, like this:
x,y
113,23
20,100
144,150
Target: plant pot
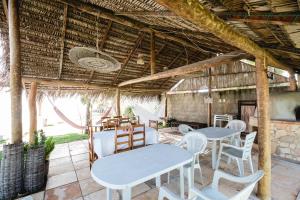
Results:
x,y
11,171
34,178
46,170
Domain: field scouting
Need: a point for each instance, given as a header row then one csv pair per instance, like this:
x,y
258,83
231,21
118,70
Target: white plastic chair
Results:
x,y
211,192
238,153
195,142
218,119
184,129
237,125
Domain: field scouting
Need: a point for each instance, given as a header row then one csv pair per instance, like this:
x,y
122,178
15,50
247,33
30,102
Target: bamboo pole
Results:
x,y
117,99
152,52
293,82
190,68
88,115
32,111
195,12
264,135
209,95
15,72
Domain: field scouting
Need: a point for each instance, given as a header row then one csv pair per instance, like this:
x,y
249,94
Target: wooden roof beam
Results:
x,y
131,52
62,45
190,68
289,18
107,14
66,83
105,36
203,18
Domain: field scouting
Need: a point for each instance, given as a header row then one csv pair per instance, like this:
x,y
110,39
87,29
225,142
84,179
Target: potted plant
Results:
x,y
36,162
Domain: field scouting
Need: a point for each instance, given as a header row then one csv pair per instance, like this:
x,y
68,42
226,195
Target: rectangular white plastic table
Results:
x,y
217,134
104,141
124,170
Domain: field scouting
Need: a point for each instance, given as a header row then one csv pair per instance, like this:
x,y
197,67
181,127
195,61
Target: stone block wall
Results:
x,y
285,138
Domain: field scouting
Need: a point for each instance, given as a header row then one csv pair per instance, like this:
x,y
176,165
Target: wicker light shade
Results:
x,y
93,60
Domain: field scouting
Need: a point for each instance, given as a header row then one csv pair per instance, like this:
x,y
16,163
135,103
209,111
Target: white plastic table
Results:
x,y
124,170
217,134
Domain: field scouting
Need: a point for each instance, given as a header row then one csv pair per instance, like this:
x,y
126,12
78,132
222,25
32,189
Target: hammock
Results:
x,y
67,120
145,115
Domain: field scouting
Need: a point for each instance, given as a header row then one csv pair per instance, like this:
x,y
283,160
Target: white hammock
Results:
x,y
145,115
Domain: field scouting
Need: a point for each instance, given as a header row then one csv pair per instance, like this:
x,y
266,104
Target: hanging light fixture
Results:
x,y
140,59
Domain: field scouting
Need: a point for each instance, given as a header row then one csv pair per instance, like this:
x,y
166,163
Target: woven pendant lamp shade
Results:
x,y
92,59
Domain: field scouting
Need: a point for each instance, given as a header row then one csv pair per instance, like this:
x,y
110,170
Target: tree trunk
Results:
x,y
15,72
88,115
32,111
117,99
264,139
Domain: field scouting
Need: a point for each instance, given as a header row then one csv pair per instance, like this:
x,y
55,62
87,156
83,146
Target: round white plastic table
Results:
x,y
124,170
217,134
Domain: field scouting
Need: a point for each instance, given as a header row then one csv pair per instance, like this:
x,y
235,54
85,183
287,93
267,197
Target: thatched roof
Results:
x,y
49,29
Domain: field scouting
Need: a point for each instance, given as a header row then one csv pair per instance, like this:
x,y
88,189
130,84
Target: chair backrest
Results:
x,y
250,182
124,121
110,124
218,119
249,140
138,135
122,138
184,129
195,142
153,124
238,125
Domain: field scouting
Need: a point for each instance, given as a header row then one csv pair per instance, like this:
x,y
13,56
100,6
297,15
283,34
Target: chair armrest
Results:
x,y
231,146
165,192
245,179
194,191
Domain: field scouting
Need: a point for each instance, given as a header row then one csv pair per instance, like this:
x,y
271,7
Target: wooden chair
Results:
x,y
135,120
92,155
153,124
138,135
110,124
124,121
122,138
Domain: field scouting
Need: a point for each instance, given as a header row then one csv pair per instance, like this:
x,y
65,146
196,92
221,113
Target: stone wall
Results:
x,y
285,138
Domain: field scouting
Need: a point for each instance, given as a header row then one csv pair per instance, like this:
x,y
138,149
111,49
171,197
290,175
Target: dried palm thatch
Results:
x,y
121,29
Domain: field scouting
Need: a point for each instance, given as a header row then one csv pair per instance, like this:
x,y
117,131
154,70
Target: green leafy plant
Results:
x,y
49,146
40,139
129,112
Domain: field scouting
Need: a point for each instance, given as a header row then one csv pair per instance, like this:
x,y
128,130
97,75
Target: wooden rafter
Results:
x,y
146,13
67,83
62,45
203,18
105,36
190,68
280,19
131,52
106,14
147,66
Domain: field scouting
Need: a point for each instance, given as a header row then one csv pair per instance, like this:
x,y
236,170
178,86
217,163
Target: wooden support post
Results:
x,y
152,52
209,95
88,115
166,105
264,135
32,111
117,99
293,82
15,72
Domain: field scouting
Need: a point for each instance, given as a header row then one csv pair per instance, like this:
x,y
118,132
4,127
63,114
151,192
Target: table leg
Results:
x,y
126,194
158,182
108,194
181,182
190,180
214,154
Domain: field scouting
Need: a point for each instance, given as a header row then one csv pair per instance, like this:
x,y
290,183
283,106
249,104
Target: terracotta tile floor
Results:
x,y
69,176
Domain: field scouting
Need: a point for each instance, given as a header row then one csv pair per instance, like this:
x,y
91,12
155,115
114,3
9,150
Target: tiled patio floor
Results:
x,y
69,176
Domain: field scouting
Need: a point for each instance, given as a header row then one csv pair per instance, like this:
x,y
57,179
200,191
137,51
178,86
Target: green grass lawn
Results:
x,y
2,141
70,137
